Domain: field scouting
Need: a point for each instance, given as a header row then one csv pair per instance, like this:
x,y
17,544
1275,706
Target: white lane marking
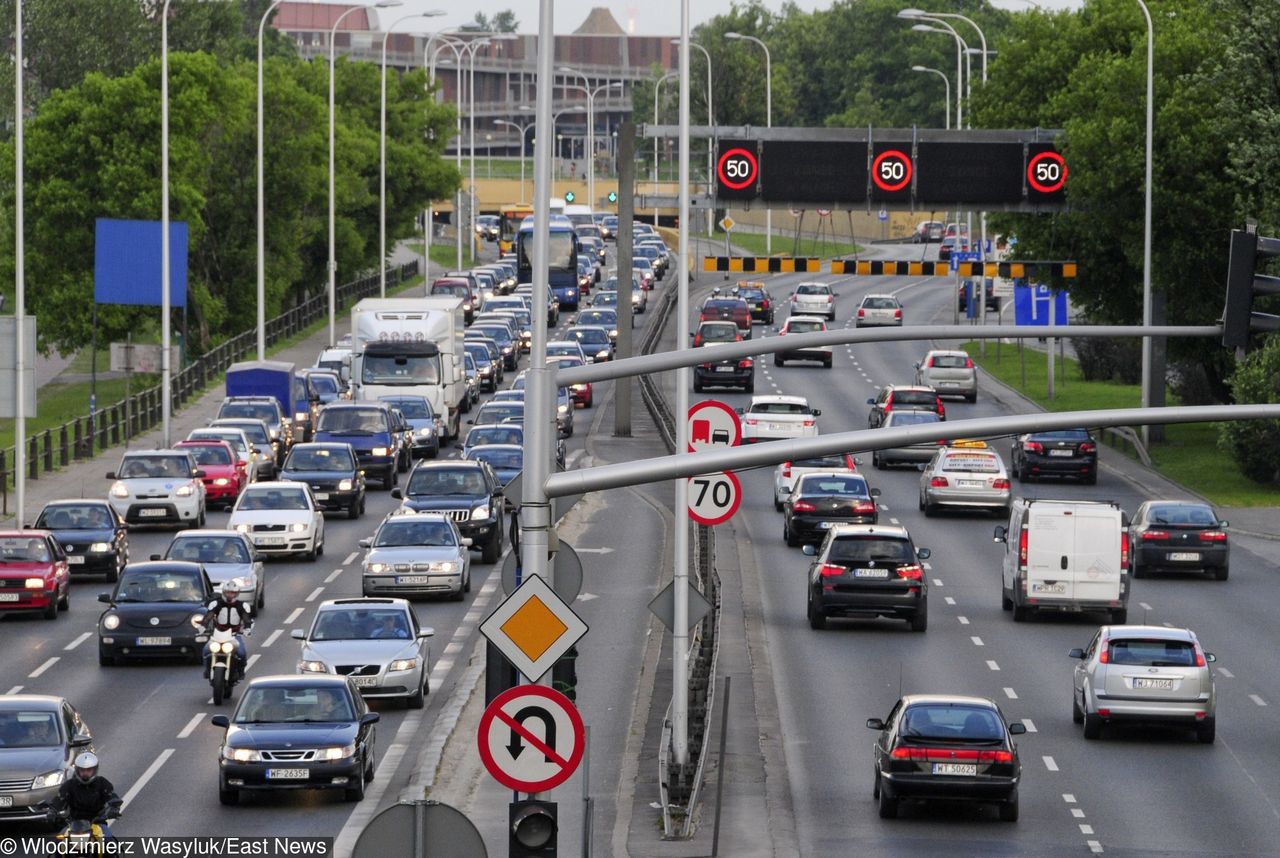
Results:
x,y
925,564
1010,693
1077,813
891,521
1167,625
453,648
248,665
949,600
191,726
1144,606
1085,828
351,558
75,643
1030,725
293,615
1050,764
992,665
1068,798
332,575
964,621
1255,698
42,668
314,594
13,690
272,638
977,641
937,582
1228,674
146,776
1094,846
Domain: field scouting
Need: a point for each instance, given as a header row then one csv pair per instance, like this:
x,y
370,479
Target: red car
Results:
x,y
34,575
580,393
224,471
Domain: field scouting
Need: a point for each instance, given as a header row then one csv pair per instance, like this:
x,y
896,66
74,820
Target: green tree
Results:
x,y
1253,443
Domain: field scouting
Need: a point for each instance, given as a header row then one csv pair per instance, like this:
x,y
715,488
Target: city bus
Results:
x,y
510,217
562,274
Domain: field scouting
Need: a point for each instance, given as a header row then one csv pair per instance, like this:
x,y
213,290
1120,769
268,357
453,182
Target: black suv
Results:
x,y
467,492
1062,453
333,472
868,570
904,397
759,301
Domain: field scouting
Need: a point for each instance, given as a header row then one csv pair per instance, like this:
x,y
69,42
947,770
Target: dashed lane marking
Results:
x,y
1094,846
253,659
293,615
964,621
42,668
949,600
14,690
271,638
351,558
1077,813
146,776
992,665
893,521
1086,828
1228,674
75,643
1010,693
1049,763
1255,698
314,594
1068,798
1030,725
191,726
1167,625
977,641
937,582
1144,606
332,575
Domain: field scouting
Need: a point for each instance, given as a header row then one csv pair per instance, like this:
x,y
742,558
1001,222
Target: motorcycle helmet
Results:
x,y
231,590
86,765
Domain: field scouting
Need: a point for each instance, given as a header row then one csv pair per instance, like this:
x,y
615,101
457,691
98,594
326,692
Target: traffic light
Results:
x,y
1244,283
570,196
613,196
564,674
533,829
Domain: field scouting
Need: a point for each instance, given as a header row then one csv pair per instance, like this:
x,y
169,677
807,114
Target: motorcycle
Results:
x,y
223,673
81,836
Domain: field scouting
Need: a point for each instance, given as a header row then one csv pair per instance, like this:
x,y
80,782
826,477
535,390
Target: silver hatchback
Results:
x,y
1145,674
951,373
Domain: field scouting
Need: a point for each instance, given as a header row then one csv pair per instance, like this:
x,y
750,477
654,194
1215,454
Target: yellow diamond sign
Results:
x,y
533,627
727,223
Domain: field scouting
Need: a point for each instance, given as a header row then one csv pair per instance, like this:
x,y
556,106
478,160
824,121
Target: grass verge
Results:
x,y
786,245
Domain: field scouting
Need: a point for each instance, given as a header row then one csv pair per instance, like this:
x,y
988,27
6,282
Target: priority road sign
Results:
x,y
714,498
531,738
727,223
712,424
533,627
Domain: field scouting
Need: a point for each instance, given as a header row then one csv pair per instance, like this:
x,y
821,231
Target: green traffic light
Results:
x,y
569,196
613,196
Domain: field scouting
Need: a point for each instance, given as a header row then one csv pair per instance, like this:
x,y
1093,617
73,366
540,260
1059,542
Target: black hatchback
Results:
x,y
820,501
332,470
1060,453
156,610
946,747
94,537
868,570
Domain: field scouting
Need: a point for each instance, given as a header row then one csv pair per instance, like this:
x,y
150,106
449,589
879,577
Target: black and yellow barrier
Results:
x,y
889,267
918,268
763,264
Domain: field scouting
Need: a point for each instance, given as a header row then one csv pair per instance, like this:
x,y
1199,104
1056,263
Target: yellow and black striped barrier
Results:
x,y
763,264
918,268
889,267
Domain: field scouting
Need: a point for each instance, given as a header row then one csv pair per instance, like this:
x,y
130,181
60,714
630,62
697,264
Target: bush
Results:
x,y
1109,359
1253,443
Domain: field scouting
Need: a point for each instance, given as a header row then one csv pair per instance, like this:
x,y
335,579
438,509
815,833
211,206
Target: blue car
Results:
x,y
424,422
366,426
507,460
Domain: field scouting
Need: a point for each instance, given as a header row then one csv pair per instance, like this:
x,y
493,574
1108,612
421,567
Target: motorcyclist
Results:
x,y
87,796
228,612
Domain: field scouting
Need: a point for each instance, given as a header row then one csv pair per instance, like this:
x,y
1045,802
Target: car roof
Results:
x,y
81,501
421,515
949,700
955,352
504,447
766,398
442,464
803,318
380,601
10,702
870,530
321,445
296,680
1139,631
909,387
879,295
276,485
161,451
6,534
171,565
209,532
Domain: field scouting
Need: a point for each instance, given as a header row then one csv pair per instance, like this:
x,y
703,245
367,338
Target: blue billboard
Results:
x,y
126,262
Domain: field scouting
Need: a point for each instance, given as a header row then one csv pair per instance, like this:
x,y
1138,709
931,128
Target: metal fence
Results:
x,y
83,437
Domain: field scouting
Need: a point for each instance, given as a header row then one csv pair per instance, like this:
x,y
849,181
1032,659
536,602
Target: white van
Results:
x,y
1065,556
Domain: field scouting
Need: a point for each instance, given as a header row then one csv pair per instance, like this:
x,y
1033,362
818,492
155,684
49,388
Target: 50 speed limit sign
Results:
x,y
1047,172
891,170
714,498
737,168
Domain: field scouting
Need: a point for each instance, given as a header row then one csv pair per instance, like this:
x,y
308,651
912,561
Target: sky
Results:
x,y
642,17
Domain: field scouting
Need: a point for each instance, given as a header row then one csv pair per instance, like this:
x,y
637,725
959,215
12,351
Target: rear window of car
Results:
x,y
265,412
862,549
1146,652
805,327
950,361
837,461
964,723
911,418
832,485
751,294
208,454
723,304
915,397
880,303
812,289
1182,514
779,408
985,463
155,466
1063,435
719,333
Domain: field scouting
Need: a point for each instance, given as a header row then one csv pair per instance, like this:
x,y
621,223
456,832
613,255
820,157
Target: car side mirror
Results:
x,y
1224,523
156,557
220,721
739,411
104,598
111,475
809,550
875,724
817,412
1017,729
1210,657
395,493
466,542
1001,533
366,542
920,467
197,473
871,401
370,718
1076,653
298,635
924,553
80,740
875,493
916,364
426,632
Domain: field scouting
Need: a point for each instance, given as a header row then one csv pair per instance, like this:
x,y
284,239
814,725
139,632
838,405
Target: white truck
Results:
x,y
410,346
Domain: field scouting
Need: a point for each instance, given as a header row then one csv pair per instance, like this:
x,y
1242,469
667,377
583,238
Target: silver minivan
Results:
x,y
951,373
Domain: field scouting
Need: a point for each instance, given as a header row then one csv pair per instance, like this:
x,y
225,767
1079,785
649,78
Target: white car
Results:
x,y
771,416
280,518
158,487
786,475
878,311
803,325
813,299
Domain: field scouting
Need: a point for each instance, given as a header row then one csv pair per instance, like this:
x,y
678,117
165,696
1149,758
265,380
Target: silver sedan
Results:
x,y
417,554
966,475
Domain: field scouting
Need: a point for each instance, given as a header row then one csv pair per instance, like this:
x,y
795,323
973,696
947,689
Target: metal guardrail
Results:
x,y
85,436
1129,435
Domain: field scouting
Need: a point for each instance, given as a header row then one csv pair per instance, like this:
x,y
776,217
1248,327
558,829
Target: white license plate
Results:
x,y
412,579
152,513
6,801
780,427
971,484
9,597
268,540
1061,453
1184,555
950,384
955,769
826,525
155,642
322,496
871,573
287,774
365,681
75,559
724,369
1051,589
1158,684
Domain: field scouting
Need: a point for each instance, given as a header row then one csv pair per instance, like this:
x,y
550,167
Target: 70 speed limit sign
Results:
x,y
714,498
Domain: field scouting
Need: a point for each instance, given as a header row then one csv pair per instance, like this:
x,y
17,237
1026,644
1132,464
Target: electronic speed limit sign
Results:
x,y
891,172
737,170
1046,172
714,498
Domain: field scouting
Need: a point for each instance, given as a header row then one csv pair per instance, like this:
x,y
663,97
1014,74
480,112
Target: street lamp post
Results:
x,y
711,123
591,125
946,82
927,16
1148,383
19,285
768,102
166,371
657,89
262,217
471,48
523,129
455,46
961,47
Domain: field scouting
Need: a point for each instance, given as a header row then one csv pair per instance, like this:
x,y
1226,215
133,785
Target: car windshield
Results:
x,y
159,586
779,408
804,327
412,409
833,485
718,333
1185,514
26,728
751,294
171,467
401,532
400,369
447,481
833,461
352,421
323,384
812,289
589,335
723,304
597,317
911,418
512,434
862,549
983,463
880,303
500,334
950,361
254,410
346,624
606,299
500,458
255,432
208,549
479,354
235,439
255,499
319,459
565,351
24,550
952,723
915,397
265,704
75,517
1151,652
458,290
208,454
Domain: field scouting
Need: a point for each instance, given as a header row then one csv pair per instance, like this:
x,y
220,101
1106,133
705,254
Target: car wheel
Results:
x,y
817,619
826,363
1221,572
392,479
228,797
920,622
105,659
1139,571
789,536
777,504
1206,730
888,806
1091,478
875,786
879,463
1009,810
777,361
697,386
458,595
310,556
492,548
262,595
51,612
356,793
1019,613
466,584
418,699
930,510
751,387
353,511
1119,617
1092,725
65,601
113,575
1006,601
972,397
1077,714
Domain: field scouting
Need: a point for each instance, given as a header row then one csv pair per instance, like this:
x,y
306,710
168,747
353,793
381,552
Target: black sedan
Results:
x,y
759,301
1060,453
94,537
155,611
1179,535
333,472
468,492
949,748
821,501
297,732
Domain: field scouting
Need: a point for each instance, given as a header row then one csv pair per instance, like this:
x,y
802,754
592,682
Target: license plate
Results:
x,y
1184,555
779,427
1061,453
871,573
268,540
155,641
365,681
950,384
9,597
724,369
1052,589
322,496
955,769
1160,684
825,525
971,484
75,559
413,579
287,774
152,513
6,801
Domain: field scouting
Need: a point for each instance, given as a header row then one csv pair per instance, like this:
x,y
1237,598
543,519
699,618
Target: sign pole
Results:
x,y
1051,343
680,632
20,289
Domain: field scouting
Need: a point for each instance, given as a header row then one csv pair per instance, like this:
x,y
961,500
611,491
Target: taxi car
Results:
x,y
965,474
759,301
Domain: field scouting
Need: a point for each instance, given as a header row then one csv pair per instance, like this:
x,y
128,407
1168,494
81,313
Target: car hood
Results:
x,y
168,615
413,554
269,516
25,570
315,476
71,539
280,735
153,485
26,763
359,651
432,502
219,572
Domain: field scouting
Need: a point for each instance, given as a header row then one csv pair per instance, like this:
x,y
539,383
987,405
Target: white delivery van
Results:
x,y
1065,555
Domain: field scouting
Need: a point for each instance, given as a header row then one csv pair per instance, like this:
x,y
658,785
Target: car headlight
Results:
x,y
482,511
100,546
302,416
602,354
403,664
111,622
345,485
119,490
242,755
243,528
185,491
34,583
578,388
312,667
48,779
197,620
299,527
222,481
381,451
562,409
376,568
447,566
426,431
339,753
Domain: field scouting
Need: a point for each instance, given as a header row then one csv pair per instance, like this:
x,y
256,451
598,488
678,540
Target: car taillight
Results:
x,y
706,366
803,506
942,410
849,463
1155,535
830,570
938,483
702,317
697,342
864,507
929,363
1124,553
830,298
1033,447
1022,546
944,755
1104,652
766,303
968,363
1088,447
862,314
897,314
751,421
808,423
911,573
745,363
1200,660
1213,536
1000,483
786,470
